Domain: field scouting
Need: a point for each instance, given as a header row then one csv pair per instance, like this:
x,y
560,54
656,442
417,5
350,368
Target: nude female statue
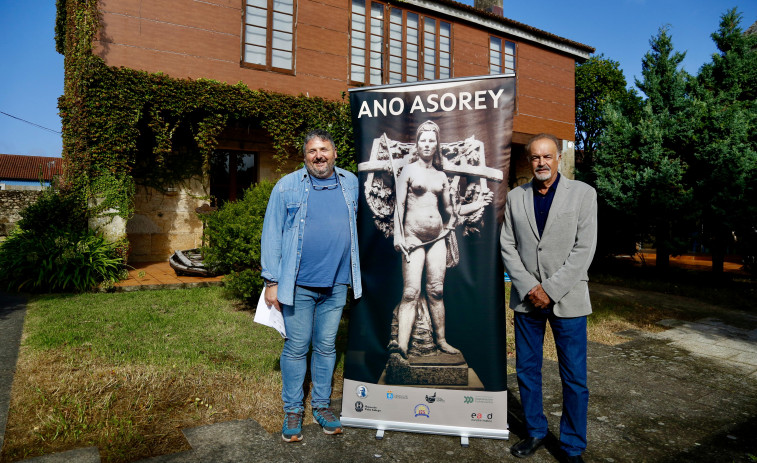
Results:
x,y
424,221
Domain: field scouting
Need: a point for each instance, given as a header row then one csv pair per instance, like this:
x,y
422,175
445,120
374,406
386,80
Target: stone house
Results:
x,y
319,48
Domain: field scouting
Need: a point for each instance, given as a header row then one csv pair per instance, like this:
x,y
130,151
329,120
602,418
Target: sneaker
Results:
x,y
291,431
326,418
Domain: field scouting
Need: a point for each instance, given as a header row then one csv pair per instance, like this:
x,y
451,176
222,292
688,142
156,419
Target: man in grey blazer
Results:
x,y
548,241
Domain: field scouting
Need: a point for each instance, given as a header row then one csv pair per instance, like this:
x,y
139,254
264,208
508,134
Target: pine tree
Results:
x,y
642,160
724,165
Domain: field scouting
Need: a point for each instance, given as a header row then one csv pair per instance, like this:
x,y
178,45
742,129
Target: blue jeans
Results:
x,y
570,340
313,318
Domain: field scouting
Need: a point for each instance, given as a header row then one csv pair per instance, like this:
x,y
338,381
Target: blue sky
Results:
x,y
31,79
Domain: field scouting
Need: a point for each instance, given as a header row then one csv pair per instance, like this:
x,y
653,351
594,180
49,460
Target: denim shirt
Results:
x,y
284,225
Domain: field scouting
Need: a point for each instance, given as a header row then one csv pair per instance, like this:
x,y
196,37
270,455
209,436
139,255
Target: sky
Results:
x,y
31,76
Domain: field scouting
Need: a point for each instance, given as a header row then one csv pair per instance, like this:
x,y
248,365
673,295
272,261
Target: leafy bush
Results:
x,y
53,250
63,210
58,260
232,235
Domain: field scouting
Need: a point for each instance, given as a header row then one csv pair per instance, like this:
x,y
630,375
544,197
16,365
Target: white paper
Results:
x,y
268,315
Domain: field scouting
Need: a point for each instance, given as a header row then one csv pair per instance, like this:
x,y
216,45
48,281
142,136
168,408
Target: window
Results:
x,y
391,45
501,56
231,173
269,34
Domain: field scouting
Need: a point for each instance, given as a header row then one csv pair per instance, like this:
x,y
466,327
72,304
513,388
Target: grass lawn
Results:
x,y
127,371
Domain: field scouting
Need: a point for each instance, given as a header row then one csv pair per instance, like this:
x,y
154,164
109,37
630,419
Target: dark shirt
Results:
x,y
542,203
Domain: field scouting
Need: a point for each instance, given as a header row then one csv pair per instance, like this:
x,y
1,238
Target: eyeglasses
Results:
x,y
536,159
325,187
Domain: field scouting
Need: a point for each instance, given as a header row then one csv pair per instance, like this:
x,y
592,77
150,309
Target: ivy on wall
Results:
x,y
121,124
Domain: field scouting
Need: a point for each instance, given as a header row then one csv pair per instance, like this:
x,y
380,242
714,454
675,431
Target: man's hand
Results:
x,y
539,298
271,296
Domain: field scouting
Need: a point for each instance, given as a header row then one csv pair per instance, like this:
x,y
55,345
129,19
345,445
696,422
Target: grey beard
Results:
x,y
543,175
317,174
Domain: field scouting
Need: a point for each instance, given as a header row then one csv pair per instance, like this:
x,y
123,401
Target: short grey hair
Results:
x,y
320,134
544,136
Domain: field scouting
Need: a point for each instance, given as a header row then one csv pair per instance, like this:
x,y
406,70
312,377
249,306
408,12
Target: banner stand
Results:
x,y
427,347
425,410
463,433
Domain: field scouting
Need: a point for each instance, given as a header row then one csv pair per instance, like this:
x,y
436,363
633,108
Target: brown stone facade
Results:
x,y
166,221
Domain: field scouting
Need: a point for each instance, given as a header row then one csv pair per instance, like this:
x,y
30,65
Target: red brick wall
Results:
x,y
470,51
545,92
202,39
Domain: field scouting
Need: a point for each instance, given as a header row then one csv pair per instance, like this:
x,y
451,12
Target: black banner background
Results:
x,y
474,289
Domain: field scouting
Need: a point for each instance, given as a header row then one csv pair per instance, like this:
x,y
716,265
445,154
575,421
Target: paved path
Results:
x,y
12,311
687,394
710,338
160,275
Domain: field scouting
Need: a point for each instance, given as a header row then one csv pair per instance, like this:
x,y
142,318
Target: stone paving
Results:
x,y
160,275
713,339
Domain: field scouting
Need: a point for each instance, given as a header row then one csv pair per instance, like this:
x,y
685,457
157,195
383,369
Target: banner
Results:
x,y
426,349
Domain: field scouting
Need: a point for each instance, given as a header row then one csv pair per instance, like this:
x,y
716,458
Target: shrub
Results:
x,y
63,210
52,249
232,235
58,260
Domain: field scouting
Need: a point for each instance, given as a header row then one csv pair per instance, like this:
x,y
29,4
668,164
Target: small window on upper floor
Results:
x,y
391,45
501,56
269,35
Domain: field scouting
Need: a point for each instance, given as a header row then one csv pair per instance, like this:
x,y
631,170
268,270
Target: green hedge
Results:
x,y
232,237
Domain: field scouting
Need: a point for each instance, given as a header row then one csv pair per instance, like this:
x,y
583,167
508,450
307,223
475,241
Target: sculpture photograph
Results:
x,y
419,194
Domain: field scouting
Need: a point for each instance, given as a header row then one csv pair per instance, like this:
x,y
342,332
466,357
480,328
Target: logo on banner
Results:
x,y
358,406
431,398
422,410
361,391
482,418
477,399
392,396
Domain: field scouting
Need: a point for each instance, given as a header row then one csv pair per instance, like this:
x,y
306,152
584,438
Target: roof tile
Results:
x,y
20,167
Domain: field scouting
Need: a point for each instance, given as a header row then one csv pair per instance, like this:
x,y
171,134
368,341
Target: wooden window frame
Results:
x,y
230,187
503,55
269,40
388,76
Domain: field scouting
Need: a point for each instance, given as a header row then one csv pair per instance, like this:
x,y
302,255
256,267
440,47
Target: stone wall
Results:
x,y
11,203
165,221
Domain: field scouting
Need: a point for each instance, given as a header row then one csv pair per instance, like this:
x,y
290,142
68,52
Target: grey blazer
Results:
x,y
560,259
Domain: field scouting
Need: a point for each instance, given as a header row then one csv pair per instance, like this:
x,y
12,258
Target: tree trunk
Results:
x,y
717,250
663,256
663,247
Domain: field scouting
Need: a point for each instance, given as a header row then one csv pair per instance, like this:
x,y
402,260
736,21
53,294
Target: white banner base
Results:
x,y
425,428
431,410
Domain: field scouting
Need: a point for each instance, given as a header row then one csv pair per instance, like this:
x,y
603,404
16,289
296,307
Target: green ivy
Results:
x,y
122,125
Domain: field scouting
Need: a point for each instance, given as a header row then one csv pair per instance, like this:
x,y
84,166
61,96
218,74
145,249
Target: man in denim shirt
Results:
x,y
309,255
